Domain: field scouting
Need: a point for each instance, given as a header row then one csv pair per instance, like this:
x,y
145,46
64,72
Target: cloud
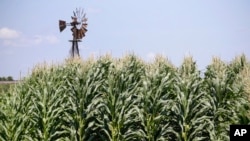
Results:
x,y
6,33
32,41
51,39
14,38
9,43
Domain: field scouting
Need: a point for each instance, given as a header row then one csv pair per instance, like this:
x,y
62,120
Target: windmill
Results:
x,y
79,28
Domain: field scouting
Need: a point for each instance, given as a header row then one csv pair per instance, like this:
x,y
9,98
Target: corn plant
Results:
x,y
45,104
117,107
16,121
192,122
156,99
127,99
227,97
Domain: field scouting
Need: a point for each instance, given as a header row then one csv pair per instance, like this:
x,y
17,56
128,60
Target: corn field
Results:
x,y
127,99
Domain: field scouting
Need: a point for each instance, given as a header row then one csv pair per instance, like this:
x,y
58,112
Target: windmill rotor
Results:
x,y
79,28
79,24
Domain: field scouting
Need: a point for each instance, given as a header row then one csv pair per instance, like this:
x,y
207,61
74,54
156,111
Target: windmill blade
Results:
x,y
80,34
83,17
84,30
84,20
74,13
83,13
84,25
77,12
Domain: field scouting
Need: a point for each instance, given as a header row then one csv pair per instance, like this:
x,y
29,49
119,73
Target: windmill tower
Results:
x,y
79,28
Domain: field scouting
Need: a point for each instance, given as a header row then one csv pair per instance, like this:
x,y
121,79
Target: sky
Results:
x,y
29,32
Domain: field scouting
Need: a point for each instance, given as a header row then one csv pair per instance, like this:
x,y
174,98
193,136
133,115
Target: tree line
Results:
x,y
9,78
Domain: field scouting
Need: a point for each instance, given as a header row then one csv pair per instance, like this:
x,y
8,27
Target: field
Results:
x,y
127,99
5,86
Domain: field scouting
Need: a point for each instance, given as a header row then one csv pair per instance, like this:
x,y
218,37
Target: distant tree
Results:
x,y
9,78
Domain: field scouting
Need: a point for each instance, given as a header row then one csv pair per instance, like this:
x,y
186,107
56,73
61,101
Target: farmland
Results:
x,y
127,99
5,85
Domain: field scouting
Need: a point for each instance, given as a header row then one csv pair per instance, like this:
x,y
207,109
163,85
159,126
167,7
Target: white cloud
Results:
x,y
6,33
51,39
37,39
41,39
9,43
11,37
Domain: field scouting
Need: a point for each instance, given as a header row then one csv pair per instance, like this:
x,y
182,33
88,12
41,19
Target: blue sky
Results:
x,y
29,32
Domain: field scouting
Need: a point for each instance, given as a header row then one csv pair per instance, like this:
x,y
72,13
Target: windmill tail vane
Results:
x,y
79,28
62,25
